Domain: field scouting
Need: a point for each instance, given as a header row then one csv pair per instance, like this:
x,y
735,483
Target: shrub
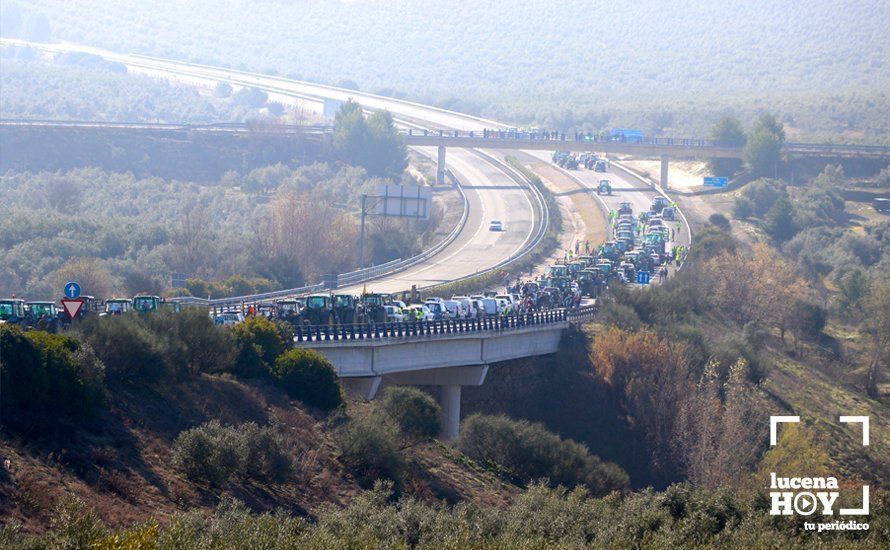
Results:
x,y
306,375
210,452
46,376
743,208
370,450
530,451
719,220
205,346
260,343
267,457
622,316
131,351
214,453
414,412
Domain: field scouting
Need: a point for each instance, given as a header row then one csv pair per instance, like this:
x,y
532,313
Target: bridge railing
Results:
x,y
410,329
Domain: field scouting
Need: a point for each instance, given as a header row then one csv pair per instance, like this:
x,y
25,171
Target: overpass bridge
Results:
x,y
664,148
448,354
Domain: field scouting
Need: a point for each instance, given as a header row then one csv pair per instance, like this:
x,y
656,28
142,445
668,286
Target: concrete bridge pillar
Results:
x,y
440,166
664,171
450,380
450,421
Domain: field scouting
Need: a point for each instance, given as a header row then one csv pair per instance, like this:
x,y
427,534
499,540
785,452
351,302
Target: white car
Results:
x,y
437,309
496,225
455,309
425,313
468,304
228,319
394,313
491,307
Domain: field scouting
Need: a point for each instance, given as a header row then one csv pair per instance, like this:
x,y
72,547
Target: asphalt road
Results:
x,y
490,192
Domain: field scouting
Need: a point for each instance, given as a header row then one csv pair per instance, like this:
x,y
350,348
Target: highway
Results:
x,y
490,192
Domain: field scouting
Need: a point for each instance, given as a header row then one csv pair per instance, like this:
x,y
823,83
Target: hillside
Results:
x,y
122,465
821,64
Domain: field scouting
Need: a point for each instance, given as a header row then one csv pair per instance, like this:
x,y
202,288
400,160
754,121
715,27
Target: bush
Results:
x,y
267,457
206,347
531,452
622,316
215,453
370,450
46,376
306,375
132,352
413,412
210,452
259,343
719,220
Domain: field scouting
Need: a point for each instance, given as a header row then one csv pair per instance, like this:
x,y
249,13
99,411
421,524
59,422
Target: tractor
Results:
x,y
318,310
42,315
625,208
605,187
117,306
12,311
373,307
288,310
345,309
146,303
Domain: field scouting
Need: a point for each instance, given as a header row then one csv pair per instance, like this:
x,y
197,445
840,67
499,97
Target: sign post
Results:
x,y
642,277
715,182
72,290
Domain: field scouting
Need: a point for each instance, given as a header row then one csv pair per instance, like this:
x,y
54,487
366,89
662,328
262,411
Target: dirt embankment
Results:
x,y
121,463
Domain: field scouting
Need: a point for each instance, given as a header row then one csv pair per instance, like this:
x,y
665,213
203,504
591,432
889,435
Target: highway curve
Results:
x,y
490,193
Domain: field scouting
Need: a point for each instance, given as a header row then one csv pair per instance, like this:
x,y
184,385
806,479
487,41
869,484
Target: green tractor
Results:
x,y
42,315
373,307
345,309
12,311
288,310
118,306
604,188
146,303
318,310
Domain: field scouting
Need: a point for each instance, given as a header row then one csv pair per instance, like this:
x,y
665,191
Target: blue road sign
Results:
x,y
716,182
72,290
642,277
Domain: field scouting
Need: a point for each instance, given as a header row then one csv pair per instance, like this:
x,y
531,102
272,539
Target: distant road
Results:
x,y
491,193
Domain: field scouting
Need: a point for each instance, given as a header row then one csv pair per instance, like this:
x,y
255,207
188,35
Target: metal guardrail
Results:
x,y
425,329
412,329
353,277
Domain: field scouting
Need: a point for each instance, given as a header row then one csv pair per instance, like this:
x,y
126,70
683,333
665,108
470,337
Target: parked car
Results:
x,y
394,313
468,304
418,312
455,309
437,309
229,318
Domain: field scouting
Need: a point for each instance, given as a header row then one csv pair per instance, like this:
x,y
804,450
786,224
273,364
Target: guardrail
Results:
x,y
426,329
353,277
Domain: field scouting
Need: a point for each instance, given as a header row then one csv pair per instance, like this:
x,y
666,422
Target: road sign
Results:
x,y
72,290
643,278
72,306
403,201
716,182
